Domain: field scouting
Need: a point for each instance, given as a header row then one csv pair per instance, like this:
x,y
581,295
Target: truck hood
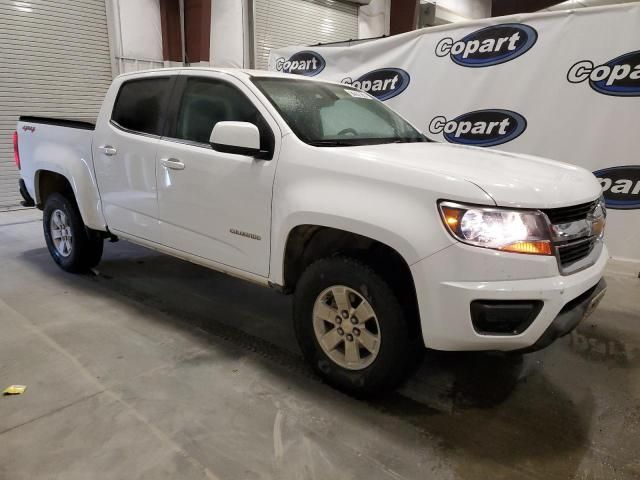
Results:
x,y
513,180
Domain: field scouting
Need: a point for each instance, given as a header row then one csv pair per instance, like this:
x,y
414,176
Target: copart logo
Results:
x,y
619,77
482,128
384,83
306,63
620,186
489,46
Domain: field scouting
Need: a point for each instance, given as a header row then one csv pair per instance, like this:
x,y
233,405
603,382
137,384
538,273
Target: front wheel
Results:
x,y
352,329
72,246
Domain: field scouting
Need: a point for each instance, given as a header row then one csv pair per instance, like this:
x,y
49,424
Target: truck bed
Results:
x,y
62,146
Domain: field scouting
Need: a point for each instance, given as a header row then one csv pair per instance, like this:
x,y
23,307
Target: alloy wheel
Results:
x,y
61,234
346,327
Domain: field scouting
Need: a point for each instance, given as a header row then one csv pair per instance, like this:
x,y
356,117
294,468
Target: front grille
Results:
x,y
569,214
576,249
572,252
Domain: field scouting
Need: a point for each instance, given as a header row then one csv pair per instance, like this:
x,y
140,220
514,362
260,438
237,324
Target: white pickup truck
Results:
x,y
388,241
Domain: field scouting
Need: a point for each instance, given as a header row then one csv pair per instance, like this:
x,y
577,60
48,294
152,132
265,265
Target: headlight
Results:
x,y
518,231
598,218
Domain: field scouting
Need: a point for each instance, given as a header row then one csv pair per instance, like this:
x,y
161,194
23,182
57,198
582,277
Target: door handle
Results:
x,y
172,163
108,150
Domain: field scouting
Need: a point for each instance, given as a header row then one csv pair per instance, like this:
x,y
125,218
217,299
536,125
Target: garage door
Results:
x,y
54,61
280,23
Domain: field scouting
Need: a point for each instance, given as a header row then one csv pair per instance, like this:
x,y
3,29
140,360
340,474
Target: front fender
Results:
x,y
392,217
365,191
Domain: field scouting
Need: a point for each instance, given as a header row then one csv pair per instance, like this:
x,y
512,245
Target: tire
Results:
x,y
79,249
398,348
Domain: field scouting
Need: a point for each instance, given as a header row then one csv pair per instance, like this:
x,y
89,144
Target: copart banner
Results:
x,y
562,85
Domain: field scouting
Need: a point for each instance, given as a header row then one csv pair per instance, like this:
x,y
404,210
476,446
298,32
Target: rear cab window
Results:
x,y
140,105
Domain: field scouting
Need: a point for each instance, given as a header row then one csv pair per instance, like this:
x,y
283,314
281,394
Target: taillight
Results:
x,y
16,153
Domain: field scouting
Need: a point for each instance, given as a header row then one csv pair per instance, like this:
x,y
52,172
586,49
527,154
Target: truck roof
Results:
x,y
237,72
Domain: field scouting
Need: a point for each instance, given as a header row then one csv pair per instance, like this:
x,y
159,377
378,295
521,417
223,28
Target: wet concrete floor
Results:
x,y
156,368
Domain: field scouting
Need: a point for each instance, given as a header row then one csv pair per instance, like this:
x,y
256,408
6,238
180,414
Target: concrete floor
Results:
x,y
156,368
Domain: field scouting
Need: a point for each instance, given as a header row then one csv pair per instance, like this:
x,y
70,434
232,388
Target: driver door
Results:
x,y
216,205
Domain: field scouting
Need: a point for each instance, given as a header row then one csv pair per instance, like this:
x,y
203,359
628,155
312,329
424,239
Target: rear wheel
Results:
x,y
73,247
352,329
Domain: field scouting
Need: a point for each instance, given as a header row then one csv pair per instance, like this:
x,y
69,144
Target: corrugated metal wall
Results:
x,y
54,61
280,23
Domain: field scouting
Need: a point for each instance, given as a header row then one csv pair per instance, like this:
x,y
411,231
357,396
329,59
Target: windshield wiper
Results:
x,y
344,142
334,143
409,140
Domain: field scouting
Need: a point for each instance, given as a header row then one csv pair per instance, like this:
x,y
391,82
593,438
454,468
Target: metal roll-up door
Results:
x,y
280,23
55,62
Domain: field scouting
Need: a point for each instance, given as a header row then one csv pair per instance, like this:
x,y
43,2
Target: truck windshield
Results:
x,y
329,115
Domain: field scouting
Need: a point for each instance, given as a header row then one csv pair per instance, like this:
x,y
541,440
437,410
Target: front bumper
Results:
x,y
444,303
570,316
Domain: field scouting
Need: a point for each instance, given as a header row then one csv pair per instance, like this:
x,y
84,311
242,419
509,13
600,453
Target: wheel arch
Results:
x,y
79,186
307,243
307,223
47,182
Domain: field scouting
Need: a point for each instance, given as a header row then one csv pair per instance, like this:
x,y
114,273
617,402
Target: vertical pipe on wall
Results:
x,y
115,39
120,45
182,35
248,34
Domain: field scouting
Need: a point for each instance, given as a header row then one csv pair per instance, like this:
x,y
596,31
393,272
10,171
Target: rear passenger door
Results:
x,y
216,205
124,152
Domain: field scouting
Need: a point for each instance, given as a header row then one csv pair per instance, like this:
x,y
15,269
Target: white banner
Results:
x,y
562,85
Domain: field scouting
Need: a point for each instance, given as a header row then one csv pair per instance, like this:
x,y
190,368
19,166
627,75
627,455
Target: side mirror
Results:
x,y
241,138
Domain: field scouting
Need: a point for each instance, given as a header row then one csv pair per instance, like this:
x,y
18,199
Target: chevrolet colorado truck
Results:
x,y
389,243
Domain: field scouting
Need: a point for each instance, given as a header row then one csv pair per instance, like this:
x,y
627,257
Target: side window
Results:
x,y
206,102
140,104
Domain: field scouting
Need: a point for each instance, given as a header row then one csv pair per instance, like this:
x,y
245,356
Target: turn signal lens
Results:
x,y
532,248
452,216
